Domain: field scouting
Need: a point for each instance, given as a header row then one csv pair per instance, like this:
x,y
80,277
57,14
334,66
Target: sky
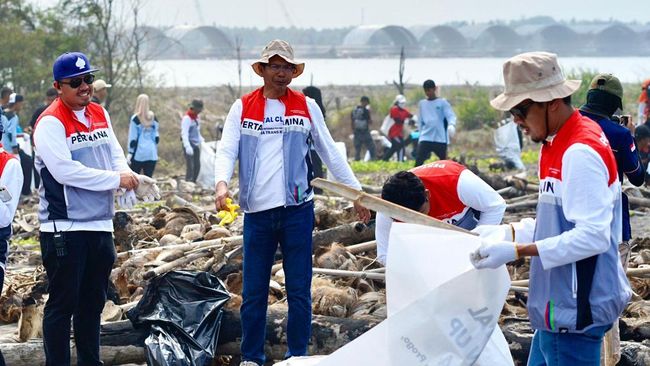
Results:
x,y
344,13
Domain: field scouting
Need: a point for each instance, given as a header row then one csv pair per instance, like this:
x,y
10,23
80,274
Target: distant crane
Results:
x,y
287,16
199,13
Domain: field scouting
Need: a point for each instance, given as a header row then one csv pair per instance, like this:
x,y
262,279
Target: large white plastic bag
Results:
x,y
506,141
423,251
206,172
301,361
447,325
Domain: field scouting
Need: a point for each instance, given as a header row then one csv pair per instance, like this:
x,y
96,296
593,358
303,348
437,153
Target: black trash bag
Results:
x,y
184,311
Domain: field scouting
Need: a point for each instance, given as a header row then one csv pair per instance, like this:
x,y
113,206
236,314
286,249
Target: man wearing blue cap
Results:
x,y
81,166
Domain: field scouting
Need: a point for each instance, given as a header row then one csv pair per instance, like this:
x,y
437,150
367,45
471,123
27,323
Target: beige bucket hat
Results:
x,y
533,75
278,48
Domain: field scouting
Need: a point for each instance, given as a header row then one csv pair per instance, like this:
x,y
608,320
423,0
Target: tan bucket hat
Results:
x,y
278,48
533,75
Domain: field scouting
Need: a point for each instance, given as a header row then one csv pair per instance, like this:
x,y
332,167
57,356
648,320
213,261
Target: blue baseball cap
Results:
x,y
71,64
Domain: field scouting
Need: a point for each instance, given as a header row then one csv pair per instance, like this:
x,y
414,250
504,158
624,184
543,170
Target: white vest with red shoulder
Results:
x,y
5,232
440,178
90,146
593,291
296,141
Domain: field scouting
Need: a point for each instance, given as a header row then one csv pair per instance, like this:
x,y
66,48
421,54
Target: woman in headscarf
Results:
x,y
143,138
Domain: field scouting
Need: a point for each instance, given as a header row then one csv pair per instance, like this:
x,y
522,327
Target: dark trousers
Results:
x,y
146,167
361,138
4,248
77,288
5,234
193,164
397,146
37,177
426,147
317,167
27,164
291,227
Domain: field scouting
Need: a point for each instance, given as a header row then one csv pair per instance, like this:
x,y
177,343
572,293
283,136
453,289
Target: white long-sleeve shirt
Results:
x,y
472,191
52,148
12,179
587,202
268,189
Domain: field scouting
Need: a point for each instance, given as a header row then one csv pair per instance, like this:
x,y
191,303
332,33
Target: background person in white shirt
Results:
x,y
270,131
436,122
192,139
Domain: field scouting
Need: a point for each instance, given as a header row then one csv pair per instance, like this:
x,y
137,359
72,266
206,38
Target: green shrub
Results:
x,y
580,96
473,109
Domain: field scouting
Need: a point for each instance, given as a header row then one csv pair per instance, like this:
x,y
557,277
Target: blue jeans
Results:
x,y
567,349
291,227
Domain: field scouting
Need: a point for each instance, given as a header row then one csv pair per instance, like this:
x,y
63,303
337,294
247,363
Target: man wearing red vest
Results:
x,y
577,285
444,190
81,166
271,131
11,182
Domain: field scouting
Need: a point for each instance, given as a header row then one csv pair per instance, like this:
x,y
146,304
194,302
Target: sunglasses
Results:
x,y
521,110
76,82
278,67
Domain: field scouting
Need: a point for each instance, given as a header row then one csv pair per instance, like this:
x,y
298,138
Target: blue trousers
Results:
x,y
77,286
291,227
567,349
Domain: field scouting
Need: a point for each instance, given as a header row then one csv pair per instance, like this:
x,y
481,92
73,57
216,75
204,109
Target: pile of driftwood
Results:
x,y
182,232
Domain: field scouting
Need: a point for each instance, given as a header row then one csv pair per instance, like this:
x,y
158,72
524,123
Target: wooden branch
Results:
x,y
182,202
638,201
524,205
362,247
377,204
177,263
342,273
31,354
234,240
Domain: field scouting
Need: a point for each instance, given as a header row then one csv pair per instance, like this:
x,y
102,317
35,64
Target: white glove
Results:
x,y
493,254
127,199
129,157
451,131
147,190
189,151
494,232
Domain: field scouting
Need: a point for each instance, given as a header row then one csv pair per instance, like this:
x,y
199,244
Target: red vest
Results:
x,y
440,178
577,129
94,113
254,102
4,158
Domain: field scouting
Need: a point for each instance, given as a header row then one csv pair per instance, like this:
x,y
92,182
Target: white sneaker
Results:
x,y
248,363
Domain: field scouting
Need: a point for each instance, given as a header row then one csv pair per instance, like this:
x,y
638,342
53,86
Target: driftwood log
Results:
x,y
121,343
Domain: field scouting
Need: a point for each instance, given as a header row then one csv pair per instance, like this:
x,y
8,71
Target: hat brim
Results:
x,y
257,65
78,73
504,102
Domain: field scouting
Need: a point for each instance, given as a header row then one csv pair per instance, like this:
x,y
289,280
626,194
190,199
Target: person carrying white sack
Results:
x,y
577,285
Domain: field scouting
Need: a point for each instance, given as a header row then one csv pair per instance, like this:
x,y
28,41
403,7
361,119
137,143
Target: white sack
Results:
x,y
442,311
208,156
